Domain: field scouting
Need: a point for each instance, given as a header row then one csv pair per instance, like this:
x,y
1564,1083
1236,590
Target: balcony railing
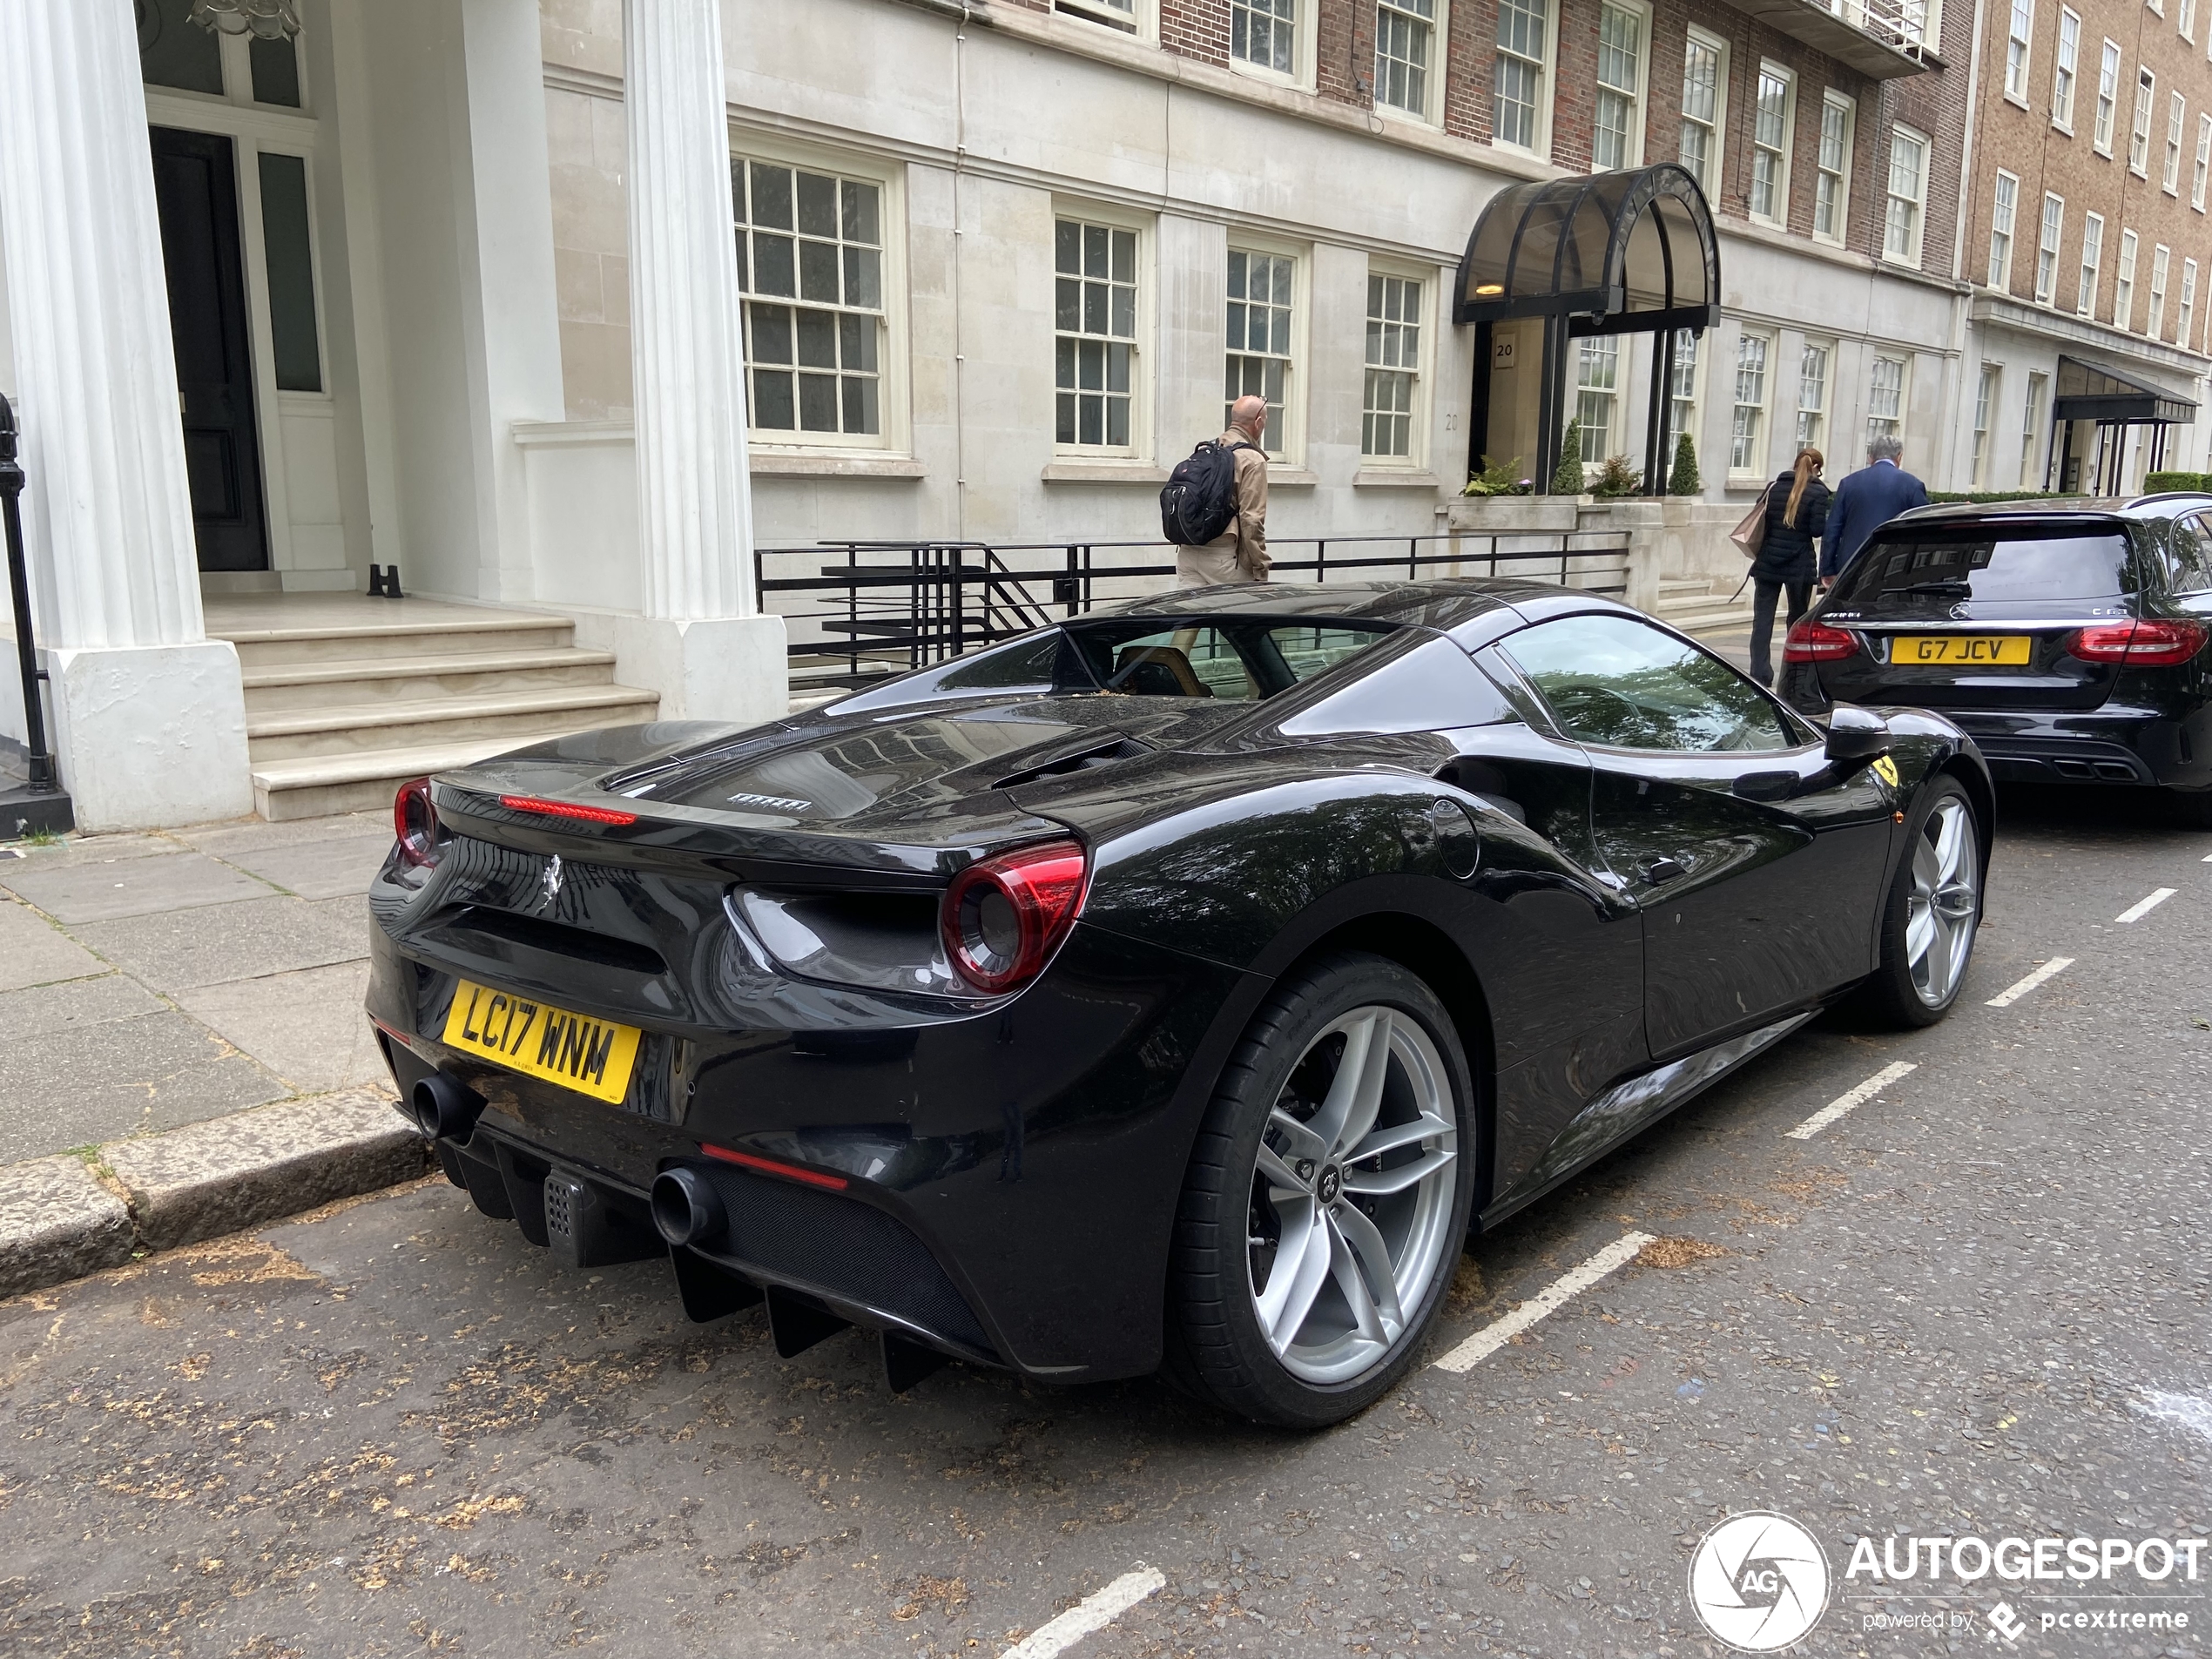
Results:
x,y
1881,38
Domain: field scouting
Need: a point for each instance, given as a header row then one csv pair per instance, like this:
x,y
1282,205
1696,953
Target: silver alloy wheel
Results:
x,y
1946,901
1351,1195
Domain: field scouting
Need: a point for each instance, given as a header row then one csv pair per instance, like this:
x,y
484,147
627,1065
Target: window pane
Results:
x,y
772,401
817,340
1616,682
175,51
818,402
859,221
275,68
774,264
1095,315
292,280
772,196
863,285
770,333
818,272
817,205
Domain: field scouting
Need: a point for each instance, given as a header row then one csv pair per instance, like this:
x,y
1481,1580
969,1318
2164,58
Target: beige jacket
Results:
x,y
1240,553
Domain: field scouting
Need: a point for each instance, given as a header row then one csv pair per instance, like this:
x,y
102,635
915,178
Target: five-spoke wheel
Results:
x,y
1327,1197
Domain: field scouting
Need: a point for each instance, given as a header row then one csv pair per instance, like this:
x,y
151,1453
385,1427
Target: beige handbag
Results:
x,y
1749,533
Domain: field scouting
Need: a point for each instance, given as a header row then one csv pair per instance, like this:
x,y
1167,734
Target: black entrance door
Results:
x,y
195,183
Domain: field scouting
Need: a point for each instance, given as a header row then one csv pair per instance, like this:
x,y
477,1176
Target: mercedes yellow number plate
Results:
x,y
592,1056
1961,651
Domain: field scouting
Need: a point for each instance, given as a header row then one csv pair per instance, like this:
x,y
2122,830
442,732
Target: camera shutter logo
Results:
x,y
1759,1581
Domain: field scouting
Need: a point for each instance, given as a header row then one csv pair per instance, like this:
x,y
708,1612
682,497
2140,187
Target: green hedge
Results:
x,y
1977,496
2157,484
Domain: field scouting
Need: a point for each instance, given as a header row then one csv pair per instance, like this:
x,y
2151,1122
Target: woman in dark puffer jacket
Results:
x,y
1797,510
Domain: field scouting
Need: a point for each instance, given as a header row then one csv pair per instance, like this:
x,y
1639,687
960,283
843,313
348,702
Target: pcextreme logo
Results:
x,y
1758,1581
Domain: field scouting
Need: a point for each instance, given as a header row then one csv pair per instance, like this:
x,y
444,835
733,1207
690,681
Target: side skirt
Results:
x,y
1628,1109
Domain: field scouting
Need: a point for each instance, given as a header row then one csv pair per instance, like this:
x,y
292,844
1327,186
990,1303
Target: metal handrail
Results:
x,y
43,778
896,605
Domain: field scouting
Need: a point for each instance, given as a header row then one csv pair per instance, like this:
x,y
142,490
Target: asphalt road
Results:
x,y
1976,1305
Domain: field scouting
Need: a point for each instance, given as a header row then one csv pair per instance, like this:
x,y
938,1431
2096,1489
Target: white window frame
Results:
x,y
1431,112
2203,161
1783,153
1916,224
1760,439
1831,186
2093,253
2066,69
2139,120
1987,388
2185,20
2123,282
1416,457
2050,238
2004,221
1615,396
1716,154
2019,49
1876,423
1815,413
2185,313
1140,19
2109,67
2177,122
1287,446
1682,407
1304,20
893,383
1546,69
1142,367
2161,267
1638,95
2031,474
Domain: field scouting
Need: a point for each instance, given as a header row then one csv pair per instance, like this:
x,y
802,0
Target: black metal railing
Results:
x,y
861,611
42,776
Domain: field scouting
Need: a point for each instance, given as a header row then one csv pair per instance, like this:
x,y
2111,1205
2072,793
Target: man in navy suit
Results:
x,y
1868,499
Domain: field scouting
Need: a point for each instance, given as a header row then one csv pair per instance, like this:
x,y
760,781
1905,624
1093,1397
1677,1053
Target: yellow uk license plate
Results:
x,y
591,1057
1961,651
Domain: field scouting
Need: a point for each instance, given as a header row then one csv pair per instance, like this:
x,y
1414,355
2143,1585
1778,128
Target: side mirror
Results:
x,y
1855,735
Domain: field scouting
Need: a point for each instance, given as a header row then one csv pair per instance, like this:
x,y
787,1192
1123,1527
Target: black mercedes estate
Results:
x,y
2068,641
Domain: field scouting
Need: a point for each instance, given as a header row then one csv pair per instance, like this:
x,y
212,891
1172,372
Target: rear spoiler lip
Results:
x,y
691,840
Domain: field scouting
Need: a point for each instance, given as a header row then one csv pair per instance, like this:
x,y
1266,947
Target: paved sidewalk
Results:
x,y
148,981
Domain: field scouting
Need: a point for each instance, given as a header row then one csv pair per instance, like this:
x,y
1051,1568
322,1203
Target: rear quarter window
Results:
x,y
1902,570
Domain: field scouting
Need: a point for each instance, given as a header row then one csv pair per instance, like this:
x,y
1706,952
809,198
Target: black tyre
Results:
x,y
1326,1202
1931,913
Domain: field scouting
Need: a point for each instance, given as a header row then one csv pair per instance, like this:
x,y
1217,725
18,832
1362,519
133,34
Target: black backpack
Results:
x,y
1199,502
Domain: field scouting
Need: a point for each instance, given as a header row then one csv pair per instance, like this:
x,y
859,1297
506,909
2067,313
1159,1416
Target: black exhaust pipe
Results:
x,y
444,1110
686,1209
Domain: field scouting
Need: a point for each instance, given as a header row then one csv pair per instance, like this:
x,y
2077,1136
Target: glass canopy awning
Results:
x,y
2089,391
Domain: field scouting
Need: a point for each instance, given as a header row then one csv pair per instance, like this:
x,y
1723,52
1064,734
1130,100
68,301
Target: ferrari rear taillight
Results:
x,y
1004,917
1816,642
2150,642
414,821
609,815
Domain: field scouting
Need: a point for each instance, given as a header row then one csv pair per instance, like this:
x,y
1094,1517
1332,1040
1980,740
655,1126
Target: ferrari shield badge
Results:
x,y
1885,769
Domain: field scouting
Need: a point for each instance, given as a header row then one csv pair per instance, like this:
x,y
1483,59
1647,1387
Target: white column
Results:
x,y
149,715
702,640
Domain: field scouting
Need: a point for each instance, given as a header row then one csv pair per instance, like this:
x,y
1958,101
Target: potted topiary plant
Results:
x,y
1567,477
1683,480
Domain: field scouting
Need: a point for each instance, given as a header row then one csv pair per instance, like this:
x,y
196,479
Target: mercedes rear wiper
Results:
x,y
1966,588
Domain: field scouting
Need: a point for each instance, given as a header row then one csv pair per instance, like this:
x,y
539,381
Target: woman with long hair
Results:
x,y
1797,513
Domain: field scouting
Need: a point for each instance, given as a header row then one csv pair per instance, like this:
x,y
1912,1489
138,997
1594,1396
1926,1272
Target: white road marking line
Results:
x,y
1498,1333
2013,993
1095,1612
2207,858
1854,1099
2137,912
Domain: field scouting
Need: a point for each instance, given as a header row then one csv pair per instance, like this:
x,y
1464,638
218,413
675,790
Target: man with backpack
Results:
x,y
1215,504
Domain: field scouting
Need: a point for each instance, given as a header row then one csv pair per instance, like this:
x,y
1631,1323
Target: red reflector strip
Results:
x,y
563,809
391,1031
772,1166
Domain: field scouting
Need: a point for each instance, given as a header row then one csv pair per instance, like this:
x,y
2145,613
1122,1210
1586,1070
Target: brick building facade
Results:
x,y
2089,237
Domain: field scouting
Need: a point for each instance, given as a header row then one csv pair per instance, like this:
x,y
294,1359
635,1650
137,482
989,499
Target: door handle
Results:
x,y
1658,870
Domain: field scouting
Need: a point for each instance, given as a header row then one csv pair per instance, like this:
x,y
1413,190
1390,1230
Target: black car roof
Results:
x,y
2087,509
1444,603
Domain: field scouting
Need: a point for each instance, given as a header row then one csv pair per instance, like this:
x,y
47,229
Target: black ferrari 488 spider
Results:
x,y
1171,989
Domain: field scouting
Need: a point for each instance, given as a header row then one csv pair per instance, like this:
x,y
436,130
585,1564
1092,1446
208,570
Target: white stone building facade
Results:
x,y
986,260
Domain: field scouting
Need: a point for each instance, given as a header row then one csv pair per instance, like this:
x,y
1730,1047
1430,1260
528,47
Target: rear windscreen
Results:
x,y
1900,571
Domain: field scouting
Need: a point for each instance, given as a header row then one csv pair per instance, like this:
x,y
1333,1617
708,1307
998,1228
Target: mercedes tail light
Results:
x,y
1811,641
414,821
2150,642
1004,917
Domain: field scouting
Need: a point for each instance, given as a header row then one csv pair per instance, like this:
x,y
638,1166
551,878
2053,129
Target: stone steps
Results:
x,y
347,697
